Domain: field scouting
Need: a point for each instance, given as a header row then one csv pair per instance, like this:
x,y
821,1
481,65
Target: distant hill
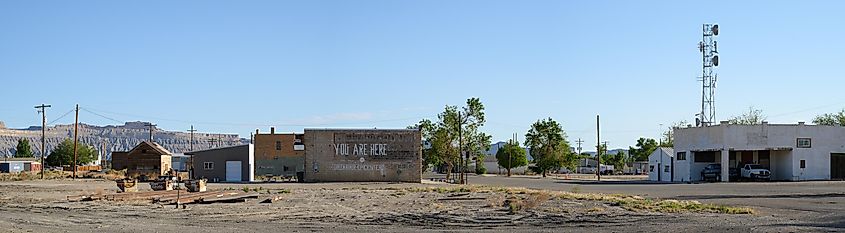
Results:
x,y
112,138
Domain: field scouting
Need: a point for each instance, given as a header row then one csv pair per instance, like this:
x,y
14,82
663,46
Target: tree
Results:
x,y
23,150
834,119
516,154
455,129
753,116
669,135
479,164
645,146
617,160
549,147
63,154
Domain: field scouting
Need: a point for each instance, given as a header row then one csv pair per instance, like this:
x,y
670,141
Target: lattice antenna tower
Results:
x,y
709,62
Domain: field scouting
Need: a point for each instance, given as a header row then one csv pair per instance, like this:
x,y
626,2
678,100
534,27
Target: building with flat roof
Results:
x,y
363,155
278,155
792,152
225,164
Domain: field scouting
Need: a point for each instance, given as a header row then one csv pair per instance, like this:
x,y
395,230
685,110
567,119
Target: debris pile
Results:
x,y
171,197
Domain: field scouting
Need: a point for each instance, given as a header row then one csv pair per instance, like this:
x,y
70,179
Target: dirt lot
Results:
x,y
41,206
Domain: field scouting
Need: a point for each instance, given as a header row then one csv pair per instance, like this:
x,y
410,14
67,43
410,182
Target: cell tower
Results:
x,y
709,61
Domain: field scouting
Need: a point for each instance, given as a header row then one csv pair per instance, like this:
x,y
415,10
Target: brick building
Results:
x,y
363,155
279,155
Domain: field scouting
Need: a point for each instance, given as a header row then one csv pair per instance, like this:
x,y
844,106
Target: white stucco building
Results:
x,y
660,164
791,152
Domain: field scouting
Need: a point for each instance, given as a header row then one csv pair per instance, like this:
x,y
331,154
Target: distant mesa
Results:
x,y
115,138
136,125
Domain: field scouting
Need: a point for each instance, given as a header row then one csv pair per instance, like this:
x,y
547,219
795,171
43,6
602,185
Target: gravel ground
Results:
x,y
41,206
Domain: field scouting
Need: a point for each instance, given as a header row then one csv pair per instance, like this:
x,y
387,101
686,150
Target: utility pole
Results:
x,y
75,140
43,110
460,149
191,169
152,128
510,165
103,154
598,148
579,145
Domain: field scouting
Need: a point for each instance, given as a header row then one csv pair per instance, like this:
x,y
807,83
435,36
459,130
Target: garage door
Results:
x,y
233,171
837,166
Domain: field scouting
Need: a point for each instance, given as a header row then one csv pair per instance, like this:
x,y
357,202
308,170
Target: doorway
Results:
x,y
837,166
233,171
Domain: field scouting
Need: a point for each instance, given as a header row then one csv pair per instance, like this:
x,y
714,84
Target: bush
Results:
x,y
480,170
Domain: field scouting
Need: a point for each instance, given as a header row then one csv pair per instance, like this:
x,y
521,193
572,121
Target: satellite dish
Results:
x,y
715,60
715,29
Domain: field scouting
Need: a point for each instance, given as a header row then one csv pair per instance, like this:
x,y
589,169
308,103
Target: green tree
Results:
x,y
456,128
516,154
834,119
753,116
479,164
617,160
63,154
669,135
23,149
644,148
549,147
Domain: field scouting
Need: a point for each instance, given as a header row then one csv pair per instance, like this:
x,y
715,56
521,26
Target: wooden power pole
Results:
x,y
43,110
191,168
598,149
461,150
152,128
75,140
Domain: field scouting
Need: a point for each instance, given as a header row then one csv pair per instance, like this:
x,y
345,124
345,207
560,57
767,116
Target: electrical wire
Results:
x,y
57,119
105,117
91,110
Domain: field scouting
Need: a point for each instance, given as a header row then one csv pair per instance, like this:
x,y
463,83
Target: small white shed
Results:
x,y
660,164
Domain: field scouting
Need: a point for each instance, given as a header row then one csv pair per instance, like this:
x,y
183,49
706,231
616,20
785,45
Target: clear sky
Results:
x,y
233,66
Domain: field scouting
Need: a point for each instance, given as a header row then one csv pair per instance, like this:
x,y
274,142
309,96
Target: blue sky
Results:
x,y
233,66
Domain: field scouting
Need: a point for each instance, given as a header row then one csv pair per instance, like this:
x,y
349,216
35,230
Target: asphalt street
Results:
x,y
814,203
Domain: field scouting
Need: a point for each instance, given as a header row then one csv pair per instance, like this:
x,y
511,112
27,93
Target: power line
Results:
x,y
241,123
57,119
806,110
108,118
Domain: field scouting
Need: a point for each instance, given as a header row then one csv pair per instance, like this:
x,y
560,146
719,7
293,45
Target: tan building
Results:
x,y
278,155
148,160
363,155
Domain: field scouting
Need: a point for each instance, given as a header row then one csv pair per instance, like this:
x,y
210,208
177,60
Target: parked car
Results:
x,y
755,171
712,172
734,174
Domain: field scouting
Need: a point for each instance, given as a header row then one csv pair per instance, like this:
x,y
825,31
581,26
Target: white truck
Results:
x,y
755,171
606,169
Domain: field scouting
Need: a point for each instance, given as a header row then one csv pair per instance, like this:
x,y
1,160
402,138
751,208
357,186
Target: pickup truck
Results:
x,y
755,171
712,172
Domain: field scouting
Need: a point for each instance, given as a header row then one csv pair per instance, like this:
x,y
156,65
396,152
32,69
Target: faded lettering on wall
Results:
x,y
375,149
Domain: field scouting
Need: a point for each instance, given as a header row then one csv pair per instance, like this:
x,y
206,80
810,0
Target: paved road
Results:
x,y
815,203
